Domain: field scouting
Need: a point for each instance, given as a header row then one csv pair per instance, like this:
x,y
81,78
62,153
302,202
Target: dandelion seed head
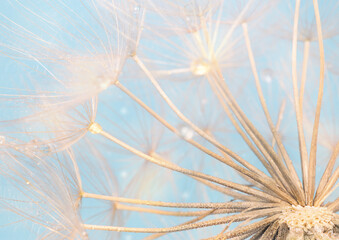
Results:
x,y
308,219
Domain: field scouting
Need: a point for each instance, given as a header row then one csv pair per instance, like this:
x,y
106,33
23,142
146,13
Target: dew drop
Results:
x,y
136,10
187,132
46,148
267,75
34,144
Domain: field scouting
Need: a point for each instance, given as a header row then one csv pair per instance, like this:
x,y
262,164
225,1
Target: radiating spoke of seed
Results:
x,y
328,171
274,171
157,235
288,161
257,175
251,228
301,136
174,167
271,213
282,232
314,141
222,205
271,231
269,155
328,189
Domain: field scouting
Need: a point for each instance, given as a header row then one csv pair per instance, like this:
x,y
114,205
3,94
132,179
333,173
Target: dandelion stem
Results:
x,y
76,168
313,151
301,136
174,213
186,120
248,229
254,173
280,117
271,230
294,180
254,134
214,222
227,205
174,167
175,109
194,143
155,236
304,76
278,178
228,191
234,25
334,206
160,212
328,189
327,172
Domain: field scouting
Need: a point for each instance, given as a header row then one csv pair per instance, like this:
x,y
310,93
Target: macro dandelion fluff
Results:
x,y
185,119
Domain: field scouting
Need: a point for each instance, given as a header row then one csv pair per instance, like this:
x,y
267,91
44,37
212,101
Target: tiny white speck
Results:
x,y
185,195
267,75
123,111
123,174
128,237
2,139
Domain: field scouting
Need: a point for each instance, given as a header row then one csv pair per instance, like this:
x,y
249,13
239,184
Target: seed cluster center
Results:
x,y
310,220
